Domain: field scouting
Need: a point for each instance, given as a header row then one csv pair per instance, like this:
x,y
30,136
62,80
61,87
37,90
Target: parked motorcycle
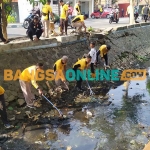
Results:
x,y
113,18
28,20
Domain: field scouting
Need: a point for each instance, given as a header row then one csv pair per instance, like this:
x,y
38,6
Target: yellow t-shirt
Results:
x,y
79,18
64,8
46,9
103,50
1,90
78,12
29,75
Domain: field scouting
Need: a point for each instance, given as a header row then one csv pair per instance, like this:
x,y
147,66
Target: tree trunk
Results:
x,y
4,22
132,21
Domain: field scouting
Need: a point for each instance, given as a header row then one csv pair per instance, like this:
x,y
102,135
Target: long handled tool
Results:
x,y
91,92
61,114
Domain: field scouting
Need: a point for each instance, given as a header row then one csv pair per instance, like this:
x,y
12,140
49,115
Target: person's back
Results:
x,y
146,10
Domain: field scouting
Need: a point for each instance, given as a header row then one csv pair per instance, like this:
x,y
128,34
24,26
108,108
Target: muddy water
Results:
x,y
123,125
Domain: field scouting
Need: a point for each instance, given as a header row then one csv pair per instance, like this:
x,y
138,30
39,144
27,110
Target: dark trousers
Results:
x,y
79,82
92,68
63,24
38,33
3,110
145,18
1,35
105,57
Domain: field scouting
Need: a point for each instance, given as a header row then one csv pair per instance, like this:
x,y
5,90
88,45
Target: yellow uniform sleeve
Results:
x,y
50,9
1,90
101,52
33,78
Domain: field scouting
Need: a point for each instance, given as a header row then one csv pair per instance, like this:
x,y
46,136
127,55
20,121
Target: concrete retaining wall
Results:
x,y
19,56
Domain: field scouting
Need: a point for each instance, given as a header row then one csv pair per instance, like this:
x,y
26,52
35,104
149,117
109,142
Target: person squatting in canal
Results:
x,y
103,50
27,77
59,68
81,65
3,112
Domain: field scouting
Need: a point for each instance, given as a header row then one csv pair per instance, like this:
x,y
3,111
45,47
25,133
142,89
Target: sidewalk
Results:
x,y
15,25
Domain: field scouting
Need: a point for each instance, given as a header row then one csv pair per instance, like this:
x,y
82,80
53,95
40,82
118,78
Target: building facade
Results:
x,y
87,7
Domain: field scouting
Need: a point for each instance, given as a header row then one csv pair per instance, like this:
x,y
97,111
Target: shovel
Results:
x,y
60,113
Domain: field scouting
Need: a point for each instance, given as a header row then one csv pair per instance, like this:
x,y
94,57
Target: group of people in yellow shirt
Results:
x,y
77,22
28,77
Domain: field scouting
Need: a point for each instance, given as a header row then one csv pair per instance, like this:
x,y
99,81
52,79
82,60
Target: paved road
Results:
x,y
95,23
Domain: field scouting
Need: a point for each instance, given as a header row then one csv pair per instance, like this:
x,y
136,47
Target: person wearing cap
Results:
x,y
35,28
81,65
46,11
3,112
59,72
28,77
78,22
63,17
77,9
103,50
92,53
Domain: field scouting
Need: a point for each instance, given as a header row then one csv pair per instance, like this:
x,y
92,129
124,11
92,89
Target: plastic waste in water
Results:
x,y
47,130
88,113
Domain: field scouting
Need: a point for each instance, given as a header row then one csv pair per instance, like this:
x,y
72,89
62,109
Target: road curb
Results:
x,y
15,26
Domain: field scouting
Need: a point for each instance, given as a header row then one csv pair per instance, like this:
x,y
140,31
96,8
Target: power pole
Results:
x,y
132,21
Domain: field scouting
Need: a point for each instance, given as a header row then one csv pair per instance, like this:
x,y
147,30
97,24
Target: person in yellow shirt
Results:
x,y
81,65
3,112
77,9
103,50
142,12
78,22
28,76
63,17
59,72
46,11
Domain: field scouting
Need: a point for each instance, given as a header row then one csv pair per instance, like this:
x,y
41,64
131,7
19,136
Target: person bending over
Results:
x,y
78,22
81,65
103,50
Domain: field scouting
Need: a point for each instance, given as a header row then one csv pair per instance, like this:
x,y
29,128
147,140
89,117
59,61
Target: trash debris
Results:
x,y
69,148
13,118
10,108
88,113
46,131
17,112
70,113
84,108
48,143
137,83
28,113
38,142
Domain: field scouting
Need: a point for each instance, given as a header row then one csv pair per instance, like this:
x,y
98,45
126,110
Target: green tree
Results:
x,y
41,1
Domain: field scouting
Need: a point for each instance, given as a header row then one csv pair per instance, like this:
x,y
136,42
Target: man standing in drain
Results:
x,y
27,77
59,72
81,65
103,50
3,112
